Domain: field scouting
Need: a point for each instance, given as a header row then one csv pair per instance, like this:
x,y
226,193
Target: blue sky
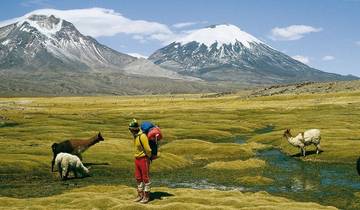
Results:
x,y
323,33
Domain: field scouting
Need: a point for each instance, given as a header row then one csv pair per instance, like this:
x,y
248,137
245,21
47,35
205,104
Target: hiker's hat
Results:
x,y
133,124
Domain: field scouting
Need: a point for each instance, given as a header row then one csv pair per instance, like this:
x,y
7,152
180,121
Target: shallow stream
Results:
x,y
324,183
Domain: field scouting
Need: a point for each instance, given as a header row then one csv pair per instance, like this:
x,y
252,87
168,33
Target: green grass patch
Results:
x,y
197,132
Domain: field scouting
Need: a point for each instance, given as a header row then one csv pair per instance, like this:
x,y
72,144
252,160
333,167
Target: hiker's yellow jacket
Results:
x,y
142,149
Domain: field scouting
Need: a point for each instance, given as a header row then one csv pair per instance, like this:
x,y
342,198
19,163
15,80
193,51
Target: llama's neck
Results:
x,y
290,139
86,144
92,141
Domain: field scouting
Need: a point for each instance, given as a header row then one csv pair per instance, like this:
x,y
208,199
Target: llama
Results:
x,y
74,146
66,162
304,139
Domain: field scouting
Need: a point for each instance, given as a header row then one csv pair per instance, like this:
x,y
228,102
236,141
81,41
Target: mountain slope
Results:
x,y
45,55
87,84
225,53
44,42
144,67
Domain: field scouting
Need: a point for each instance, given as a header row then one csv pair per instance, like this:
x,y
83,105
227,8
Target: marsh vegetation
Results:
x,y
219,145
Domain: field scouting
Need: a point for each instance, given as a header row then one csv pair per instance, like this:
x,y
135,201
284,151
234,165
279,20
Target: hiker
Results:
x,y
142,162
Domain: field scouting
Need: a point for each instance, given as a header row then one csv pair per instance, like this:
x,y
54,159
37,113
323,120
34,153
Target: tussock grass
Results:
x,y
20,163
120,197
255,180
237,164
169,161
197,132
356,202
203,150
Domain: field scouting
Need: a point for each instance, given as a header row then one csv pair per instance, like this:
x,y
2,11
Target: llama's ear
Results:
x,y
100,137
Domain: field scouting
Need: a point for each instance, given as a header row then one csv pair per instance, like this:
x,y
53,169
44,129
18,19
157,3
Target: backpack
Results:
x,y
154,135
146,126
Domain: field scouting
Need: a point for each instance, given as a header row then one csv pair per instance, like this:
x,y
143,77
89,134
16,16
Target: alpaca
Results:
x,y
74,146
66,162
304,139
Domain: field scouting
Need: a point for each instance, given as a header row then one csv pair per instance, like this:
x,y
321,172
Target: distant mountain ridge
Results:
x,y
41,42
226,53
41,55
46,55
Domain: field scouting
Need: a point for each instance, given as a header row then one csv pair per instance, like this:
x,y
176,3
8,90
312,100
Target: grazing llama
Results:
x,y
304,139
66,162
74,146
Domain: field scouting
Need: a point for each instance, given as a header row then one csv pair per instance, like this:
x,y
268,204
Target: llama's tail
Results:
x,y
53,148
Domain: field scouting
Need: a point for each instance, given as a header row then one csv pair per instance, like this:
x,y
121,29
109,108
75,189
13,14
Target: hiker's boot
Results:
x,y
140,191
146,197
140,196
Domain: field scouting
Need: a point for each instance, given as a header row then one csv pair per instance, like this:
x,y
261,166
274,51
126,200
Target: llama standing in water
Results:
x,y
74,146
304,139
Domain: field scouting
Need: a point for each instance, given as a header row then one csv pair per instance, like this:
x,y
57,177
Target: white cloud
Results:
x,y
328,58
301,58
293,32
98,22
188,24
138,55
183,25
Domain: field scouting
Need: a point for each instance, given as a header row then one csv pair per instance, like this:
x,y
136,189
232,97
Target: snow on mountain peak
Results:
x,y
47,25
222,34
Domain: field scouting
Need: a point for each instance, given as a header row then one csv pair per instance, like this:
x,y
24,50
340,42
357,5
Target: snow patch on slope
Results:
x,y
138,55
5,42
42,24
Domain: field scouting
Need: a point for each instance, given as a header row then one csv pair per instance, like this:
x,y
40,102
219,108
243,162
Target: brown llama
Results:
x,y
74,146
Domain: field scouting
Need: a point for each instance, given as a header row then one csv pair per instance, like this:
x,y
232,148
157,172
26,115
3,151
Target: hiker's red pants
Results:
x,y
142,166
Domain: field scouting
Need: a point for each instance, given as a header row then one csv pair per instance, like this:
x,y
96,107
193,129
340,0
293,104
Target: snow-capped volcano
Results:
x,y
226,53
42,54
42,42
220,35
